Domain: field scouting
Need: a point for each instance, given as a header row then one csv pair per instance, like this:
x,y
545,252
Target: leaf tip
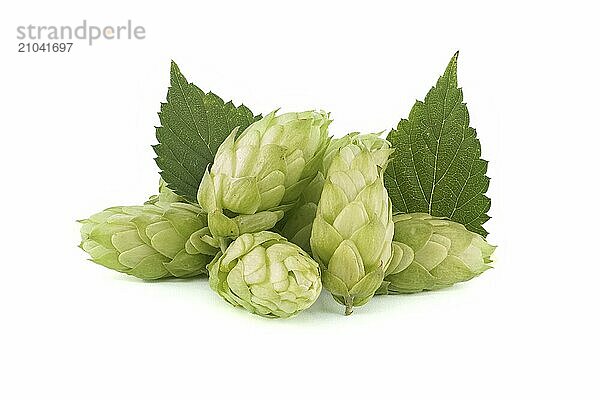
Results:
x,y
453,61
451,70
176,73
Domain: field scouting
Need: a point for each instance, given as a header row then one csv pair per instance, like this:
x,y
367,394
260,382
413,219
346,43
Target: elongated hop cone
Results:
x,y
265,274
262,173
352,231
151,241
431,253
296,225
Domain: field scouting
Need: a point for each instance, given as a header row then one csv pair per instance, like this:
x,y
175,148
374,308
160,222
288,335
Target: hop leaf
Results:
x,y
437,167
194,124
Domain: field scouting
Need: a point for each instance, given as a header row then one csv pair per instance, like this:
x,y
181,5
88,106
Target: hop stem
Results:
x,y
348,303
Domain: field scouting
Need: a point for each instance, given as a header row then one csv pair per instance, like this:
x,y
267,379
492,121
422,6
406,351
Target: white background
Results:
x,y
76,131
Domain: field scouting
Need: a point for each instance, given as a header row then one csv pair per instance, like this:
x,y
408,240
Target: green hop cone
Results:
x,y
261,174
352,231
296,225
151,241
337,143
265,274
431,253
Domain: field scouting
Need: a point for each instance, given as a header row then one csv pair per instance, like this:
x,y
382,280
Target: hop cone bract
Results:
x,y
165,195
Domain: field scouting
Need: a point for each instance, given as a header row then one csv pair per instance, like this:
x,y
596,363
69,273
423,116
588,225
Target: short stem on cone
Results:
x,y
348,303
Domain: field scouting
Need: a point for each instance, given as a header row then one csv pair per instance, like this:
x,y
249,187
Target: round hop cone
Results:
x,y
352,231
259,175
151,241
265,274
431,253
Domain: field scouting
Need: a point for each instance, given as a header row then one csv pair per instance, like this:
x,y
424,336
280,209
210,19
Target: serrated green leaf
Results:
x,y
194,124
437,167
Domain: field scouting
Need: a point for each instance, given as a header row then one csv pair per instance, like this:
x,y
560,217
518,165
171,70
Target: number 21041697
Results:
x,y
45,47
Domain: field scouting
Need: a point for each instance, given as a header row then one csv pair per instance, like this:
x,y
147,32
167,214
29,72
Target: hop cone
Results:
x,y
296,225
262,173
265,274
431,253
151,241
352,231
